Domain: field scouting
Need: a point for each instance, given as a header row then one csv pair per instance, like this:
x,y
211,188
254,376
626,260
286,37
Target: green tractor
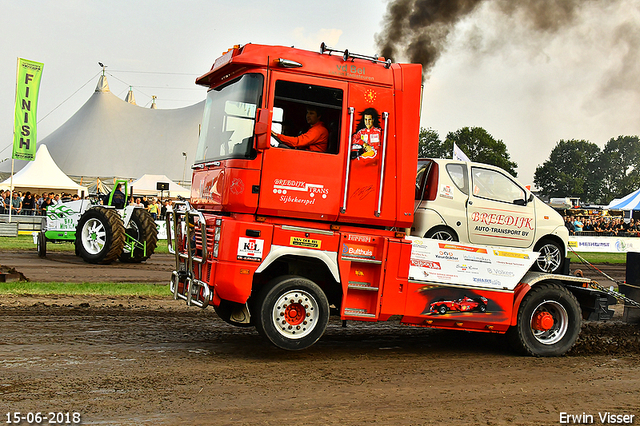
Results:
x,y
101,233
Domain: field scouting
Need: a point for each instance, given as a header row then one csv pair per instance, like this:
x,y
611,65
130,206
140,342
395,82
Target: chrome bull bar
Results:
x,y
181,243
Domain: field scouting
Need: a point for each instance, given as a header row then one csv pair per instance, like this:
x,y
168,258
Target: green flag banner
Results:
x,y
24,133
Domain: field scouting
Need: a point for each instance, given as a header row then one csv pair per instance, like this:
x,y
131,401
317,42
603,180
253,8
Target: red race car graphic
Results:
x,y
465,304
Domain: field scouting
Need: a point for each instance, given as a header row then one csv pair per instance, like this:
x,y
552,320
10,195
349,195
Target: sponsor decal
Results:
x,y
511,254
474,258
359,238
464,248
237,186
503,219
299,192
425,264
358,251
573,244
467,268
446,192
250,249
500,272
446,255
352,71
487,281
305,242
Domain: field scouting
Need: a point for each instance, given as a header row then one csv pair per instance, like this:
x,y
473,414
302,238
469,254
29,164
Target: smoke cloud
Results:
x,y
418,30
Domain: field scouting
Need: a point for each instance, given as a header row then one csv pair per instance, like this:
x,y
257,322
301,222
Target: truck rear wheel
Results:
x,y
100,235
142,229
292,312
549,320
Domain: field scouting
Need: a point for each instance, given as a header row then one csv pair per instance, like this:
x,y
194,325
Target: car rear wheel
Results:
x,y
551,257
442,233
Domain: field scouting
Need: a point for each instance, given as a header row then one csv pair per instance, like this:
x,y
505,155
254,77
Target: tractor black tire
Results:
x,y
292,312
560,307
42,245
100,235
142,228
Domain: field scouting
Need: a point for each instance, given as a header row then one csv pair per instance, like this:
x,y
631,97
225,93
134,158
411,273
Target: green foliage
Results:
x,y
476,142
571,171
620,165
25,242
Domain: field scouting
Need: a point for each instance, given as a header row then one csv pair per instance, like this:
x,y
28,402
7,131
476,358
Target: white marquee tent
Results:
x,y
147,185
109,137
630,202
43,174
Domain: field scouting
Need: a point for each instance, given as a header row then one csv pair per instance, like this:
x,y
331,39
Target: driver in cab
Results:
x,y
315,139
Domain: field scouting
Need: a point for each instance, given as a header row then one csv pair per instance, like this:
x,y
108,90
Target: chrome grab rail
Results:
x,y
385,115
191,286
346,179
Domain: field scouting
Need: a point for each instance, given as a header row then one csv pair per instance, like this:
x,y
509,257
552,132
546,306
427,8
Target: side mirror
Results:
x,y
261,130
520,202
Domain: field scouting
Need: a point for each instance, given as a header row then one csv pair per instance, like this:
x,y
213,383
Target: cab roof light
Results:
x,y
288,63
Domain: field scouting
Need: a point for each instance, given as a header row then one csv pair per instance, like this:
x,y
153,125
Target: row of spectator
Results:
x,y
36,205
601,226
31,204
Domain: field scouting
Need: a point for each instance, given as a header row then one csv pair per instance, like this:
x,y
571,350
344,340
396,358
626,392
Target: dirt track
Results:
x,y
131,361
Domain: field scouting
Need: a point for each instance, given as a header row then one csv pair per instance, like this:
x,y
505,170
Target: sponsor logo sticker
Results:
x,y
250,249
305,242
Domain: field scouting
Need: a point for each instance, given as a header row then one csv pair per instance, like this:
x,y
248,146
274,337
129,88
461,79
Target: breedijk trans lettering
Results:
x,y
501,219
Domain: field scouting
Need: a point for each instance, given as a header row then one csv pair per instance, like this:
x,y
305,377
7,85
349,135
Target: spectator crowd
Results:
x,y
29,204
599,225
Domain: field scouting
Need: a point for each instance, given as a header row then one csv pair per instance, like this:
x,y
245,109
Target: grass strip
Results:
x,y
95,289
25,242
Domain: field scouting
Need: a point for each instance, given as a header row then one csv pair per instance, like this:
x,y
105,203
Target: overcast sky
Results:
x,y
526,88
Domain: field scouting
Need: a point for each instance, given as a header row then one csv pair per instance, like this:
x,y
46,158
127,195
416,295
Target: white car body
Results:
x,y
483,204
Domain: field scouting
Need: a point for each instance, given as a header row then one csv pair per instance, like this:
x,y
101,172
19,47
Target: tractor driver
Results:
x,y
118,197
315,139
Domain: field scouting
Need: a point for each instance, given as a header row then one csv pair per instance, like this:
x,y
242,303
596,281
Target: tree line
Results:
x,y
575,168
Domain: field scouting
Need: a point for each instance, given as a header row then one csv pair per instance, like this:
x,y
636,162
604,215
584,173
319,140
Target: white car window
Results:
x,y
496,186
458,174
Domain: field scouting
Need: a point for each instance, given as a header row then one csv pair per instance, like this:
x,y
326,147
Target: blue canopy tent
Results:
x,y
630,202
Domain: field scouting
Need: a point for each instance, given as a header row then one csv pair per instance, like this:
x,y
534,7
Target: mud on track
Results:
x,y
137,361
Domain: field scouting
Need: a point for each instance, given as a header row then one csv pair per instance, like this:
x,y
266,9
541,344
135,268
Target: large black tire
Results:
x,y
142,228
226,309
442,233
42,245
291,312
549,321
100,235
551,256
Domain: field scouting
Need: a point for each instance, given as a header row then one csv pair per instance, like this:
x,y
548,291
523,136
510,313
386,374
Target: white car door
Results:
x,y
499,211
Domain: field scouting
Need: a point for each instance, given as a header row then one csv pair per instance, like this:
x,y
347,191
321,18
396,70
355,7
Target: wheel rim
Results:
x,y
94,236
550,258
549,322
442,235
295,314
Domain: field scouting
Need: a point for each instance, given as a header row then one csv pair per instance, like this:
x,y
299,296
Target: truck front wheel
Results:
x,y
292,312
549,321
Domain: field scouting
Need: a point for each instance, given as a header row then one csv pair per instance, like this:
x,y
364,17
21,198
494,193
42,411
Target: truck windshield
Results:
x,y
229,119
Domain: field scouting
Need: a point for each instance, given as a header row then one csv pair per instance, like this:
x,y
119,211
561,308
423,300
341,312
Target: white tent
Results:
x,y
630,202
108,137
147,185
43,174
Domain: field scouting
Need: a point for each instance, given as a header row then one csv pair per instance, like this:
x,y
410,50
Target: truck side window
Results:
x,y
291,102
496,186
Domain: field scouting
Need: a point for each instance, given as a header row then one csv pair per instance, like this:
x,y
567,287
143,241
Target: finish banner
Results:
x,y
27,87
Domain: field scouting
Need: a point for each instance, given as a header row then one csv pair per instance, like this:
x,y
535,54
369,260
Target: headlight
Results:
x,y
216,234
216,247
